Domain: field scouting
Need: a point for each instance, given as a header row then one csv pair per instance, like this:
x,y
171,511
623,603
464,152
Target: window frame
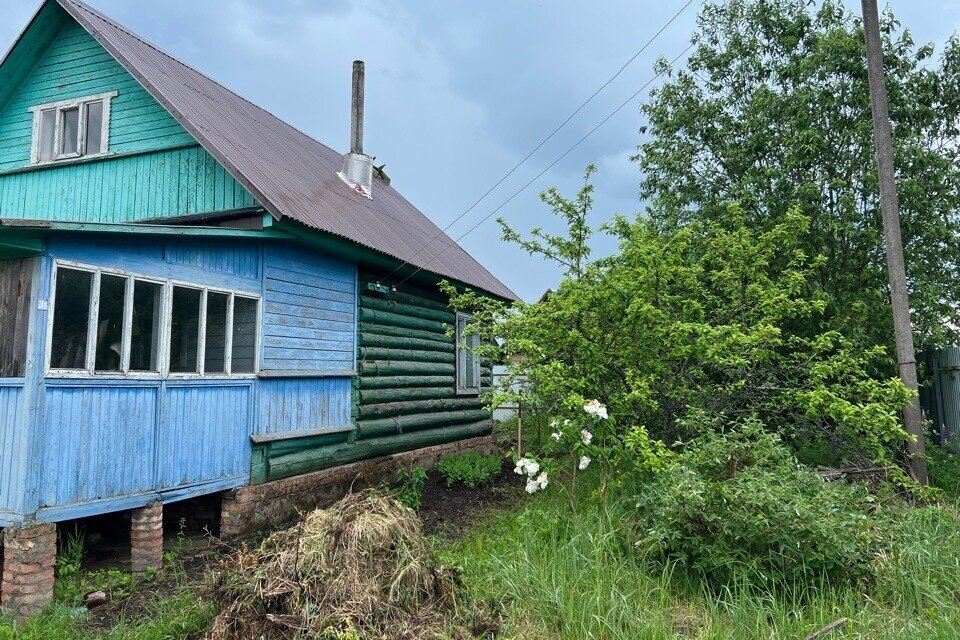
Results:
x,y
165,326
59,108
461,348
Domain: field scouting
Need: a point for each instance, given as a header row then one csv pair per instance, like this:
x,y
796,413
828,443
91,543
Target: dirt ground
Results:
x,y
446,512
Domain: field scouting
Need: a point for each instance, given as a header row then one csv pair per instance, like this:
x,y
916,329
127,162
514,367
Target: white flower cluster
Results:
x,y
530,468
594,408
586,437
584,462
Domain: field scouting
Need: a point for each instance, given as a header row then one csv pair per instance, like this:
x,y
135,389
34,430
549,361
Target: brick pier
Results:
x,y
29,557
146,538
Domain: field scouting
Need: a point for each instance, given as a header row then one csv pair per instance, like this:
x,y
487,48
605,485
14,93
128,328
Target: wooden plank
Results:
x,y
400,382
397,368
399,320
368,339
400,332
394,394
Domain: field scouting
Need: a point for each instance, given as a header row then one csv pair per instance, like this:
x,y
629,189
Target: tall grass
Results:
x,y
575,576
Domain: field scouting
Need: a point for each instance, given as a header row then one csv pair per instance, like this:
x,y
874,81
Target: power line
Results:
x,y
550,166
548,138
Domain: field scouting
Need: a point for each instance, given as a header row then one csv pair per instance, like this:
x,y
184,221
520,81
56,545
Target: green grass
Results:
x,y
563,575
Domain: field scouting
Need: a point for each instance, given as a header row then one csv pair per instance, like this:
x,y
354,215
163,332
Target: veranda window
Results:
x,y
115,323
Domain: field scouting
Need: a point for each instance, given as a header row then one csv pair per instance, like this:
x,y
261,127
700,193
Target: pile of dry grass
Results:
x,y
359,569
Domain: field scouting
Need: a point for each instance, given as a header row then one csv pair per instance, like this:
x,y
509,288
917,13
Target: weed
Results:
x,y
469,469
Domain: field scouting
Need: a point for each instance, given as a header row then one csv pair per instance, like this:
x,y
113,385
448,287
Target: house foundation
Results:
x,y
146,538
29,557
269,504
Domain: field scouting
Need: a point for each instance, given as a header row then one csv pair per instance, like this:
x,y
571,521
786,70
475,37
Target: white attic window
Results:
x,y
69,129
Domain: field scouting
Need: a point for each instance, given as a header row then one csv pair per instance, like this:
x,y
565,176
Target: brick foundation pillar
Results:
x,y
146,538
29,556
233,514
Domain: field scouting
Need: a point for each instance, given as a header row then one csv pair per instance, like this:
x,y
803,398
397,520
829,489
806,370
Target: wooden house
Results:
x,y
196,297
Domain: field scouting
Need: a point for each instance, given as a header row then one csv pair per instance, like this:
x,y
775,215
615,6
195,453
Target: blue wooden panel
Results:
x,y
309,319
157,168
158,184
73,66
304,404
227,264
205,433
97,441
13,447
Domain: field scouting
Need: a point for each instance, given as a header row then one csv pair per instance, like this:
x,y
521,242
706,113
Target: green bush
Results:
x,y
737,507
409,488
469,469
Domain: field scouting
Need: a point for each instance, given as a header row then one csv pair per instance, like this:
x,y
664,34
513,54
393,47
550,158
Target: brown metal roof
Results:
x,y
290,173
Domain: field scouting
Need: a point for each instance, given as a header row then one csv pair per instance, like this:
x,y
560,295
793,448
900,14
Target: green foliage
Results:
x,y
70,558
944,469
570,575
409,488
738,507
772,111
713,317
470,469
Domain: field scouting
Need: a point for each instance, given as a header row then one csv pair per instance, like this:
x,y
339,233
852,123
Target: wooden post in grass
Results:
x,y
896,269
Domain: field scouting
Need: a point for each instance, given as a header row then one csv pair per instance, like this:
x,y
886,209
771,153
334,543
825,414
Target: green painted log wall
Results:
x,y
405,394
155,167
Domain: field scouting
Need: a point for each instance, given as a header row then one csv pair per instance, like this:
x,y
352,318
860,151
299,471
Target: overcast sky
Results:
x,y
457,92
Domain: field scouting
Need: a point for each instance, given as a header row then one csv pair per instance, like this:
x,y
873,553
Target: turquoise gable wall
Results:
x,y
156,168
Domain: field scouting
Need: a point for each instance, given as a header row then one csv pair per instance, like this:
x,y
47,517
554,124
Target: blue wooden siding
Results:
x,y
110,443
157,169
304,404
309,311
159,184
13,448
205,433
97,441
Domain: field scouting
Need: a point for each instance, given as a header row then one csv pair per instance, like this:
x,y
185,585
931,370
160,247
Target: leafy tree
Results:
x,y
772,112
709,318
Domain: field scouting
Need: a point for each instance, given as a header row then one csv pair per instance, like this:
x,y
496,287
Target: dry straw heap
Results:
x,y
359,569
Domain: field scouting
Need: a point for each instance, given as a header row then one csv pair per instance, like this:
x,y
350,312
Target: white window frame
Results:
x,y
461,348
165,326
59,108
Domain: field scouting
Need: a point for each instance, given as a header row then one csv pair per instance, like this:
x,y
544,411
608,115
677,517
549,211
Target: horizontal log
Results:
x,y
405,424
405,332
405,355
405,297
326,457
412,310
400,320
373,339
398,368
406,407
372,396
430,292
403,382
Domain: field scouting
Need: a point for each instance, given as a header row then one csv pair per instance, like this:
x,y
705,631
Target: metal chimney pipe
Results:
x,y
356,112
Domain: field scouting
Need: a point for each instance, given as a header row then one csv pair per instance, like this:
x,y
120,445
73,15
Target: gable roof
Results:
x,y
290,173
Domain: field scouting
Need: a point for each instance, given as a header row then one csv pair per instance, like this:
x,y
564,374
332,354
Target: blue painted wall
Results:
x,y
157,169
13,445
310,312
109,443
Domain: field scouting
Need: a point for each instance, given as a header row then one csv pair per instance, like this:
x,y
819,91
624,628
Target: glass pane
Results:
x,y
184,330
145,328
71,315
48,125
110,323
244,335
94,126
69,127
215,351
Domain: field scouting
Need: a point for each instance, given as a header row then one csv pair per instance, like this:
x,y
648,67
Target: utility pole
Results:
x,y
896,269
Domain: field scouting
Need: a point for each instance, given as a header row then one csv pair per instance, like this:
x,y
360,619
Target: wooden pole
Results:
x,y
356,109
896,269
